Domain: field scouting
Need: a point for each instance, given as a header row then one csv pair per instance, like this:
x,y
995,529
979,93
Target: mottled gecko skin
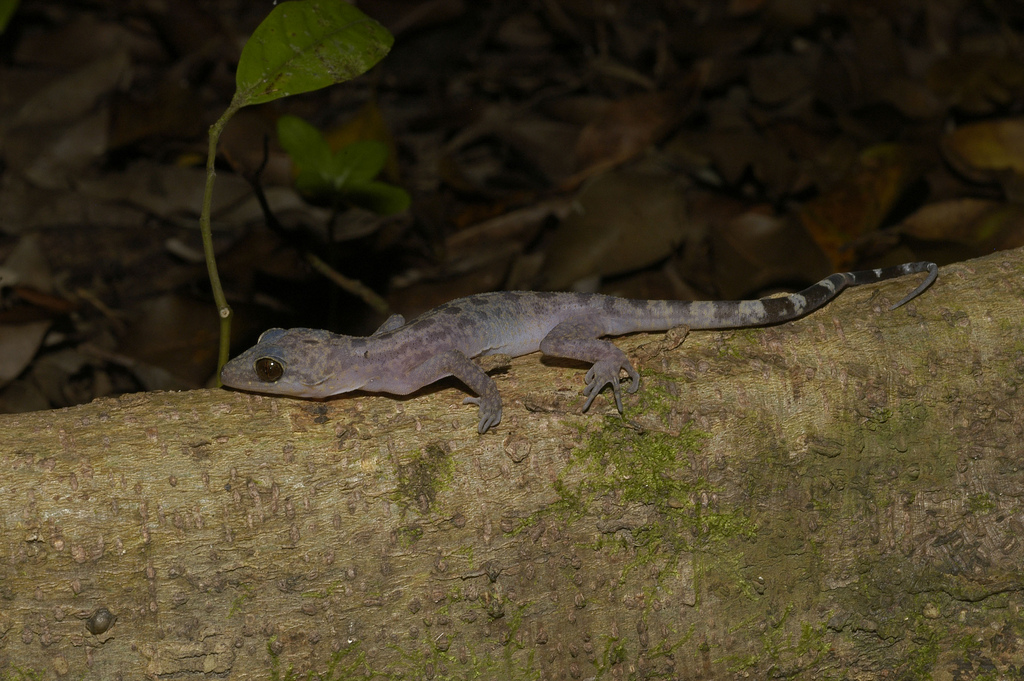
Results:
x,y
400,357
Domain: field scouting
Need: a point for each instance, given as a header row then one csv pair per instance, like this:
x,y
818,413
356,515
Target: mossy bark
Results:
x,y
840,497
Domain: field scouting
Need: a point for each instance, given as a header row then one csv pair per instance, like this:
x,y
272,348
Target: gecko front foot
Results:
x,y
606,372
490,411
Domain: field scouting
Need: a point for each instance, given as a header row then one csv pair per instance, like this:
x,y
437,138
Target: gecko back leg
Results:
x,y
579,339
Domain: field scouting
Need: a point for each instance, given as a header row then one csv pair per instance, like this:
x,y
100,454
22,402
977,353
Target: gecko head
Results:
x,y
297,362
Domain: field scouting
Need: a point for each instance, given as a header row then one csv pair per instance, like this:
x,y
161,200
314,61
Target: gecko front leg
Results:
x,y
578,339
454,363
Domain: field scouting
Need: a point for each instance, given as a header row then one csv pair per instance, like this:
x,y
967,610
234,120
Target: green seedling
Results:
x,y
345,177
302,45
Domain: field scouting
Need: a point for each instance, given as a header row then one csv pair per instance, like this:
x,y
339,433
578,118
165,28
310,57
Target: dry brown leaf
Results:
x,y
18,345
74,95
629,127
980,224
758,249
516,228
26,265
736,152
173,111
977,83
57,163
166,190
85,38
468,163
190,27
622,221
176,333
985,151
857,205
24,207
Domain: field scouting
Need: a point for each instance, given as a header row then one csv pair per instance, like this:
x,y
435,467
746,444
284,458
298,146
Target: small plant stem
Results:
x,y
223,309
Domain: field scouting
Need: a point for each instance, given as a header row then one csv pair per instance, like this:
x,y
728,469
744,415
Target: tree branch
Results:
x,y
839,495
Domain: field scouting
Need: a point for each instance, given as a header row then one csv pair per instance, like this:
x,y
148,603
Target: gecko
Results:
x,y
401,357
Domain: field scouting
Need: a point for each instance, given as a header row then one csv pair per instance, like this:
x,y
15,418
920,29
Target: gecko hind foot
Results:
x,y
490,412
606,372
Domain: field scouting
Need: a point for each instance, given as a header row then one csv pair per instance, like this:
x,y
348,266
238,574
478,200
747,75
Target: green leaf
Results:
x,y
316,186
346,176
7,8
305,144
381,198
359,162
305,45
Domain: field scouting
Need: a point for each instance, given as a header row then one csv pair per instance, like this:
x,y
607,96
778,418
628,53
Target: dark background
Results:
x,y
693,150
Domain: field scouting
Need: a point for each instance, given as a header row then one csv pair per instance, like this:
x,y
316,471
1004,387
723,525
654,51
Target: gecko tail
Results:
x,y
658,315
912,268
797,305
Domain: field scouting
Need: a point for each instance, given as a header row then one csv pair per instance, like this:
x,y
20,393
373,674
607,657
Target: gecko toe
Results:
x,y
617,392
634,380
606,372
490,413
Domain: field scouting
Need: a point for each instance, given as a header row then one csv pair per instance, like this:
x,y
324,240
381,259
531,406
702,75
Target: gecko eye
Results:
x,y
268,369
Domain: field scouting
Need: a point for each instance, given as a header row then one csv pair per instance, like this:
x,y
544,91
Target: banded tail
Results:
x,y
658,315
796,305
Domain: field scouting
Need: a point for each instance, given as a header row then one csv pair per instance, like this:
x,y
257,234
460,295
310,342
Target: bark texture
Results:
x,y
841,497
